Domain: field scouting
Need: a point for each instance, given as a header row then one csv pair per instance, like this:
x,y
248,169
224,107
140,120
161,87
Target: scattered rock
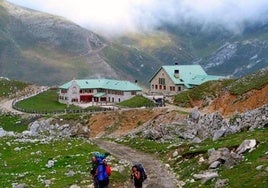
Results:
x,y
259,167
22,185
246,145
74,186
175,154
221,183
214,165
50,163
206,176
70,173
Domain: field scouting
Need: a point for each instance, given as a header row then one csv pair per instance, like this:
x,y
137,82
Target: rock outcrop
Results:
x,y
197,127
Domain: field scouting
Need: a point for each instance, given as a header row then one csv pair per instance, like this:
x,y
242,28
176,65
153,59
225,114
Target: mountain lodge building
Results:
x,y
172,79
97,90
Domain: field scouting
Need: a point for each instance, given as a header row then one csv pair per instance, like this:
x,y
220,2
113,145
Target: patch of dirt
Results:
x,y
120,122
228,104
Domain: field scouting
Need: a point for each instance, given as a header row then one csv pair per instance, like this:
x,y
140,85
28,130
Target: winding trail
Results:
x,y
158,174
6,106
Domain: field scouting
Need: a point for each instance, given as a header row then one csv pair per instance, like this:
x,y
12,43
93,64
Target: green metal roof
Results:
x,y
103,84
189,75
101,94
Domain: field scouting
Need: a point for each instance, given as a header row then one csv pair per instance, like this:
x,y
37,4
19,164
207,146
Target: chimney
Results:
x,y
176,73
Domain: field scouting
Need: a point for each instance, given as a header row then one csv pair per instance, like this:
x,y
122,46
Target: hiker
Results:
x,y
138,175
100,171
93,171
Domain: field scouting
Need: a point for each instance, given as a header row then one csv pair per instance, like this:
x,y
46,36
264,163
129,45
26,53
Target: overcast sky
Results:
x,y
116,16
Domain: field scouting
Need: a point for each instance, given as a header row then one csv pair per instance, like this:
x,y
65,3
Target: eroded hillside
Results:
x,y
120,122
228,104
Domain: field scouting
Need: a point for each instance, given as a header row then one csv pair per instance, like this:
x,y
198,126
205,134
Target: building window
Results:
x,y
172,88
99,90
179,88
162,81
156,87
160,87
86,91
152,86
133,92
63,90
164,87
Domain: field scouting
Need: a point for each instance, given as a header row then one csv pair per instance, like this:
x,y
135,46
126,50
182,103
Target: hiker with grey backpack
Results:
x,y
138,175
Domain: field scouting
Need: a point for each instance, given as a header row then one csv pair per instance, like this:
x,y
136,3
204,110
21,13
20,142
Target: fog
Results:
x,y
119,16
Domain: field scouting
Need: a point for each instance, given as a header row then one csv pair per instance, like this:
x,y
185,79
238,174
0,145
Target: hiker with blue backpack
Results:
x,y
100,170
138,175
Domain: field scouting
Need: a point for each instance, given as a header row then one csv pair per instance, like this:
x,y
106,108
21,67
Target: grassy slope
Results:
x,y
136,102
130,62
44,102
13,123
213,88
8,87
242,175
29,164
29,58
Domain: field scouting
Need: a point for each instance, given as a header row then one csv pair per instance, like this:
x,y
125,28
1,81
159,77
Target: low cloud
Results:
x,y
119,16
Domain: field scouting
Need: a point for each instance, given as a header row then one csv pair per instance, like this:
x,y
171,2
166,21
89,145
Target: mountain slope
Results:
x,y
45,49
219,51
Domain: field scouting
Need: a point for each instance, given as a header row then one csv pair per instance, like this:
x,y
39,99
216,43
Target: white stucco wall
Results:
x,y
72,93
168,83
119,98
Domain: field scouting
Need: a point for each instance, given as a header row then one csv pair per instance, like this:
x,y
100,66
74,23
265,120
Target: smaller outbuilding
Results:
x,y
97,91
172,79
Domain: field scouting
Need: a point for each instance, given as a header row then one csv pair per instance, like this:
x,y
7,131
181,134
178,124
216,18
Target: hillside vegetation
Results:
x,y
137,102
10,87
228,96
46,49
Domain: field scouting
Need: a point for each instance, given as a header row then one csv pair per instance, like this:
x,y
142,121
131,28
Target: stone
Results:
x,y
175,154
218,134
214,165
246,145
217,155
22,185
206,176
259,167
50,163
221,183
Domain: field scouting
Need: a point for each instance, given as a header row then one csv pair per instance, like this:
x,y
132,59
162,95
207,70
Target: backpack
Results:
x,y
142,171
102,174
100,156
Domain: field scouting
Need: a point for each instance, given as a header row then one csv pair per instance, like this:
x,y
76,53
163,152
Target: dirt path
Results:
x,y
6,106
158,175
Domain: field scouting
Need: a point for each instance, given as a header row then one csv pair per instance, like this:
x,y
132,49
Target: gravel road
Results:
x,y
158,174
